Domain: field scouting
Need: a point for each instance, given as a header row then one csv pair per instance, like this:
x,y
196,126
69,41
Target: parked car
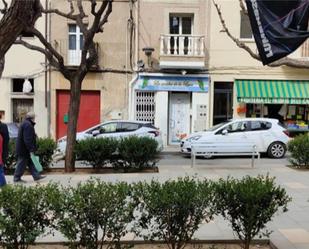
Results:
x,y
240,135
116,129
13,130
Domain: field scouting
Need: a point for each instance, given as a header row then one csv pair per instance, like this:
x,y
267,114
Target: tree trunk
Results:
x,y
1,66
75,94
19,15
247,244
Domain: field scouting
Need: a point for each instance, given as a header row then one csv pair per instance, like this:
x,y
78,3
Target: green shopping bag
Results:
x,y
36,161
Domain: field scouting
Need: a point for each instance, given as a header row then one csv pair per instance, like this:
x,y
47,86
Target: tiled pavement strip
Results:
x,y
290,230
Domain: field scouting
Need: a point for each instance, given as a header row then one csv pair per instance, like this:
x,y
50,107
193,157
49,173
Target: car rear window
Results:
x,y
150,125
260,125
129,127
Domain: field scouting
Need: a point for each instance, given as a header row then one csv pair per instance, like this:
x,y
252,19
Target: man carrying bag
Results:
x,y
25,149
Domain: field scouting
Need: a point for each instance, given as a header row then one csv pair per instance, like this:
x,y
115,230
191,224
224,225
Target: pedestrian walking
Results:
x,y
25,145
6,138
2,176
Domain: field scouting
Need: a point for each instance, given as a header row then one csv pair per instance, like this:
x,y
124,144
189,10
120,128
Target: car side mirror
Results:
x,y
95,133
224,132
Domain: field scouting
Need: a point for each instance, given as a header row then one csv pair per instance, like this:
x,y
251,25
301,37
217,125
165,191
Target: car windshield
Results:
x,y
217,126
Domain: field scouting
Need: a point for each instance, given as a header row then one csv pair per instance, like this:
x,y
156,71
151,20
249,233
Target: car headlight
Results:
x,y
194,138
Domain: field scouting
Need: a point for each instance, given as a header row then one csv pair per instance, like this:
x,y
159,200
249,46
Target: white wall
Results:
x,y
199,99
161,115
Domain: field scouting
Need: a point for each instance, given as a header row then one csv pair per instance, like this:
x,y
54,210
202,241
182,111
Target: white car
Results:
x,y
266,135
116,129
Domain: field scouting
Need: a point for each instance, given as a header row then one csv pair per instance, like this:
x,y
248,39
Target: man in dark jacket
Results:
x,y
6,138
26,144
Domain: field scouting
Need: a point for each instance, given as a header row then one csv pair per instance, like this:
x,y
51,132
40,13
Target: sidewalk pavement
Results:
x,y
290,229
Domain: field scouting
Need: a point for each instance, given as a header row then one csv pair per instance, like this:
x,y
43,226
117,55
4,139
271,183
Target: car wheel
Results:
x,y
276,150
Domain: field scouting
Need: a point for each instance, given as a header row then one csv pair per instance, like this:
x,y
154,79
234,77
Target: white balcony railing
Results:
x,y
182,45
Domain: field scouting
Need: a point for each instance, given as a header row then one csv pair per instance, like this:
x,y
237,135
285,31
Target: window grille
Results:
x,y
145,106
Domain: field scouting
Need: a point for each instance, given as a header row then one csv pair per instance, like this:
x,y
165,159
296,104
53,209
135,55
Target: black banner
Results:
x,y
279,26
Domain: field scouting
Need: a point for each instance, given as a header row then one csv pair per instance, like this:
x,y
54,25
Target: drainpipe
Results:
x,y
131,96
48,3
137,33
46,73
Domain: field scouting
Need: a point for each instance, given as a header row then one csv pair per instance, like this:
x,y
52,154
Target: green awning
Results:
x,y
273,91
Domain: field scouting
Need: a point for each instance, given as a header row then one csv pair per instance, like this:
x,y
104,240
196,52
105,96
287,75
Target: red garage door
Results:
x,y
89,114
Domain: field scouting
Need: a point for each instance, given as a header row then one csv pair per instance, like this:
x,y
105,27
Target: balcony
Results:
x,y
182,51
72,57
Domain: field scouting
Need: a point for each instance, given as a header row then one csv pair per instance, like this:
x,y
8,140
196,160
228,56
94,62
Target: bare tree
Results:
x,y
100,11
286,61
15,18
21,16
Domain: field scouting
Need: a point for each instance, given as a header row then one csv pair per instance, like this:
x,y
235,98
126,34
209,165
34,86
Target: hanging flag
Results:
x,y
279,27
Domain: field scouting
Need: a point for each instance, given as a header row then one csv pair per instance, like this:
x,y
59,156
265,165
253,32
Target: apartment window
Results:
x,y
245,27
20,108
181,26
18,85
76,41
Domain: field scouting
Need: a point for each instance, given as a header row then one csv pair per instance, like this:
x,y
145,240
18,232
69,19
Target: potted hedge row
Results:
x,y
95,213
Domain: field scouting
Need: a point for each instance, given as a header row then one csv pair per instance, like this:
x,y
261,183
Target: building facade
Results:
x,y
243,87
171,85
104,95
23,83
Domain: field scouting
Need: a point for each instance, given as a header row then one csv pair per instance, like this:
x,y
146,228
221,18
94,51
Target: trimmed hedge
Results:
x,y
97,152
131,152
45,150
249,204
171,211
299,148
137,152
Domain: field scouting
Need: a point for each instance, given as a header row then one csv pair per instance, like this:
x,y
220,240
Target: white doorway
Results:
x,y
179,117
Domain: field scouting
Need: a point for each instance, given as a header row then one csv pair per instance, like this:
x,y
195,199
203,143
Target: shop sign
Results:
x,y
176,83
274,101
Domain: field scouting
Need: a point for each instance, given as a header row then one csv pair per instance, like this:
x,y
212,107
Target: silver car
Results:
x,y
117,129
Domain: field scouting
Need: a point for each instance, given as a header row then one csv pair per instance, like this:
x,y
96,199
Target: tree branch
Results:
x,y
38,49
296,63
81,9
93,5
243,8
2,62
237,41
4,10
105,18
47,45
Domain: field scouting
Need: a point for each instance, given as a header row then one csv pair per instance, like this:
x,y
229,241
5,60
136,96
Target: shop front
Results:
x,y
177,104
285,100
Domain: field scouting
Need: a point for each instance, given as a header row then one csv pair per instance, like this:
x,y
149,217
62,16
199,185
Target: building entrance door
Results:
x,y
223,102
179,117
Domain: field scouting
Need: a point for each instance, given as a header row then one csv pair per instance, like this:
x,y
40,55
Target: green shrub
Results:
x,y
248,204
137,152
299,148
84,211
45,150
11,160
172,211
23,214
97,152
